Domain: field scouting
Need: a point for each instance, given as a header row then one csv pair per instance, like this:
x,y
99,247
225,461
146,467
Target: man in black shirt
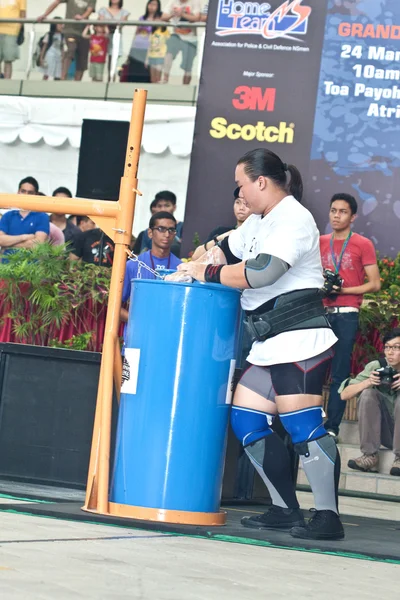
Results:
x,y
94,247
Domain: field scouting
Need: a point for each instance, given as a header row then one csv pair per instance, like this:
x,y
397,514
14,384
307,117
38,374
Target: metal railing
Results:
x,y
119,25
134,22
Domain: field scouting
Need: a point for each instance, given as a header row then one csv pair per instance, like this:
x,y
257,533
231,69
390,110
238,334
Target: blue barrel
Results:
x,y
175,397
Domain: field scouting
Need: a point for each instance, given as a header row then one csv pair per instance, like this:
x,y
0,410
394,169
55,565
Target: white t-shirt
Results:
x,y
288,232
191,7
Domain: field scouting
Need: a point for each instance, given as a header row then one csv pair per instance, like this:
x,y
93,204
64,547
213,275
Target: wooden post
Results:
x,y
99,469
116,219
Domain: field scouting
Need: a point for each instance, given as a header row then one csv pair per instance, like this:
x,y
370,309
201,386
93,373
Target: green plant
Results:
x,y
77,342
196,241
380,311
42,290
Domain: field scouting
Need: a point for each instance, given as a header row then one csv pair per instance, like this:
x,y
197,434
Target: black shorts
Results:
x,y
303,377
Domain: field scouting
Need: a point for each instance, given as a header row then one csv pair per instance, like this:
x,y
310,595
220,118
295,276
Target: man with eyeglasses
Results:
x,y
164,201
378,388
23,228
162,231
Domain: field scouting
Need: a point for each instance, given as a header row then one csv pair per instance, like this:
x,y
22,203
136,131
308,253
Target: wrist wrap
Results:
x,y
212,273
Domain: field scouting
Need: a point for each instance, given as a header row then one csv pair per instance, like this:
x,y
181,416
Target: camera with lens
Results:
x,y
331,280
386,375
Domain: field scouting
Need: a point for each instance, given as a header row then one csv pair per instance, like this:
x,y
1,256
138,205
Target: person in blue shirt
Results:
x,y
161,231
23,228
163,201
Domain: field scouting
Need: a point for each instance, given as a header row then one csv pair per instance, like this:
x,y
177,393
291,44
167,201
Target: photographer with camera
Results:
x,y
350,271
378,388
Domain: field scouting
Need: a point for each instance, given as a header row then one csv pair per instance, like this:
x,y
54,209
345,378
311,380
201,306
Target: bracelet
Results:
x,y
216,241
212,274
205,246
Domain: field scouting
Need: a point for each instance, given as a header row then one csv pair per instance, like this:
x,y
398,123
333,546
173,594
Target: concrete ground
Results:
x,y
48,559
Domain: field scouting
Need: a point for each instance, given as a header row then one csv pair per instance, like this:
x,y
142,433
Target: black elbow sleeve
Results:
x,y
231,259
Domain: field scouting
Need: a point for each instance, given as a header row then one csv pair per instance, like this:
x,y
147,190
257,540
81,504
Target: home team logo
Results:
x,y
290,19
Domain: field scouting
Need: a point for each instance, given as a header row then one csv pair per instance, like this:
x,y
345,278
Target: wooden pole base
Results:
x,y
161,515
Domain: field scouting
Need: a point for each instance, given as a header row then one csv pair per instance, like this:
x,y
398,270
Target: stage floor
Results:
x,y
366,538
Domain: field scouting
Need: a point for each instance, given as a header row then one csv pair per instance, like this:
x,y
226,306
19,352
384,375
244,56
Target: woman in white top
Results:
x,y
274,257
115,12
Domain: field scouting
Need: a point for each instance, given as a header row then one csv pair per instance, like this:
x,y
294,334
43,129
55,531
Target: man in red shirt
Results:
x,y
352,257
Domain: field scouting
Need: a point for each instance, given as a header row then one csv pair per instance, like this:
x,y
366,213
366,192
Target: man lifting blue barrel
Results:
x,y
274,258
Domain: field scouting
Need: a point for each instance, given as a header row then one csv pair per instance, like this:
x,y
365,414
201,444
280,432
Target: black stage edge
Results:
x,y
368,539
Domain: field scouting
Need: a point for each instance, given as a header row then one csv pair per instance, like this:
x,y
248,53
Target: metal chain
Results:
x,y
132,256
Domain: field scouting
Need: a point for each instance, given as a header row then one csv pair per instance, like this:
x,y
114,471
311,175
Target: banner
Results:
x,y
356,139
317,82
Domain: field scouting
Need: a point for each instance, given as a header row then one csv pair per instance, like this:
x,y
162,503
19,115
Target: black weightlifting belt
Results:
x,y
300,309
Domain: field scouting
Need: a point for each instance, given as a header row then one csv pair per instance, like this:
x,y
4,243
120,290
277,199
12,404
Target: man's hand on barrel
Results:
x,y
194,269
180,277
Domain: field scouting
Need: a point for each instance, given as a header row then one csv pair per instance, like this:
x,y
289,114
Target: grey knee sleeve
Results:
x,y
256,453
321,464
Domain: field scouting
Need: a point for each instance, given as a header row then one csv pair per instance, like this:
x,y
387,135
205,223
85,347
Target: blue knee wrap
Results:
x,y
304,425
250,425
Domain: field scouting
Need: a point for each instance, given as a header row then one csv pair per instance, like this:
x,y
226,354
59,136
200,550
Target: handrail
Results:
x,y
134,23
118,25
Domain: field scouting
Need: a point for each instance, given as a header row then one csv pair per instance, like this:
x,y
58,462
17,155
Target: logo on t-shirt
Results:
x,y
81,4
107,253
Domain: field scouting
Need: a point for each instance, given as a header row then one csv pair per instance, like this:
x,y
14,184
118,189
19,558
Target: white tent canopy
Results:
x,y
41,137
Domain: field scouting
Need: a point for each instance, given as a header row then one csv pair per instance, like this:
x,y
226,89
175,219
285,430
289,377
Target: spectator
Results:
x,y
73,219
241,212
184,39
23,228
85,223
163,201
156,53
68,229
166,200
93,246
98,44
62,192
9,50
51,54
140,44
352,257
162,229
77,45
378,407
56,236
117,13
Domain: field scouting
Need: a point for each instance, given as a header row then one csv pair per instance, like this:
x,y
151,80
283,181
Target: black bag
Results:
x,y
21,36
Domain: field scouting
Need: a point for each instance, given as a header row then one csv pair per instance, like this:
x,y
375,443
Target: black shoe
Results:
x,y
275,518
324,525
